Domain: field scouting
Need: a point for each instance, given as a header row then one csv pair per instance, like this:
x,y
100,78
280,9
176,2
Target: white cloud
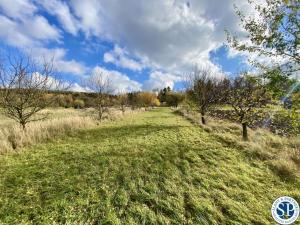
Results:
x,y
22,27
89,13
173,40
37,27
57,84
159,80
60,63
63,13
169,35
120,82
29,32
120,57
10,32
78,88
18,8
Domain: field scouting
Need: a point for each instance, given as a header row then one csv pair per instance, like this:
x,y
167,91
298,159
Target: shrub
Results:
x,y
78,104
174,99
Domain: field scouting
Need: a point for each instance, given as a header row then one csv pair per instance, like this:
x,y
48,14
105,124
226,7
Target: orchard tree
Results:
x,y
202,88
246,96
277,83
25,86
274,32
123,101
101,85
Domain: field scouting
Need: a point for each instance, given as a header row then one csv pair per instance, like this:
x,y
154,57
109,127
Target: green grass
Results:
x,y
150,168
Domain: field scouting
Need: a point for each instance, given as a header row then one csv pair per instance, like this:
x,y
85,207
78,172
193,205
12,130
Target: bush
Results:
x,y
174,99
147,99
65,101
78,104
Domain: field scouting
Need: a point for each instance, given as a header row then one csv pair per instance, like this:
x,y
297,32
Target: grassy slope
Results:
x,y
150,168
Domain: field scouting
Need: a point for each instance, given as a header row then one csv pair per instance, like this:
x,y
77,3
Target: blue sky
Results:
x,y
141,45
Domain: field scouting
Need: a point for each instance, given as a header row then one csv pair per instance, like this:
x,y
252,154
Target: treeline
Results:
x,y
81,100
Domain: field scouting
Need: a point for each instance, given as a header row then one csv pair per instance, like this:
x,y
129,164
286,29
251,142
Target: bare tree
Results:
x,y
123,101
202,88
25,83
246,96
101,85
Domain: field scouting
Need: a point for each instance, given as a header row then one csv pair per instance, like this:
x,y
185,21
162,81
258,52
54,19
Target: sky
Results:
x,y
139,44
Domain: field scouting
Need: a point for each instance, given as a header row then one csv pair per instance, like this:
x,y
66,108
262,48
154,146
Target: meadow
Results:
x,y
154,167
58,122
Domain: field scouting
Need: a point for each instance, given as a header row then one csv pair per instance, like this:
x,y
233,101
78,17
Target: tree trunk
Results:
x,y
203,119
100,113
23,125
245,133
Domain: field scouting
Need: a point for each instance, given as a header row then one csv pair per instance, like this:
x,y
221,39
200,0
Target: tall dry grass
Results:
x,y
13,138
281,154
60,122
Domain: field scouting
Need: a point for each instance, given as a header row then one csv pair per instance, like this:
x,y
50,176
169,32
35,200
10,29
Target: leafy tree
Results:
x,y
174,99
277,83
163,94
275,32
246,96
296,97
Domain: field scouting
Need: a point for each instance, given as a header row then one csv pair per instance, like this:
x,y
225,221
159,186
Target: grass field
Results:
x,y
57,122
150,168
53,113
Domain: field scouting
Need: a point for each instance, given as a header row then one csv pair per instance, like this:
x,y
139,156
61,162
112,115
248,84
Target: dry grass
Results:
x,y
13,137
281,154
59,122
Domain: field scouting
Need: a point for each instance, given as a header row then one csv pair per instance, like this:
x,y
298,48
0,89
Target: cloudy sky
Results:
x,y
141,44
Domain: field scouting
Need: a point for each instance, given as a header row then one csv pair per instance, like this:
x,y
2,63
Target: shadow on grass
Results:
x,y
124,131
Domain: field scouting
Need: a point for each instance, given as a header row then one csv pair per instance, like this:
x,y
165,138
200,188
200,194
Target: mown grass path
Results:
x,y
150,168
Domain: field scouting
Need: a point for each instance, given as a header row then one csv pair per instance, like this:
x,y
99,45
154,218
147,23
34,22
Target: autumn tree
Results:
x,y
147,99
25,84
246,96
